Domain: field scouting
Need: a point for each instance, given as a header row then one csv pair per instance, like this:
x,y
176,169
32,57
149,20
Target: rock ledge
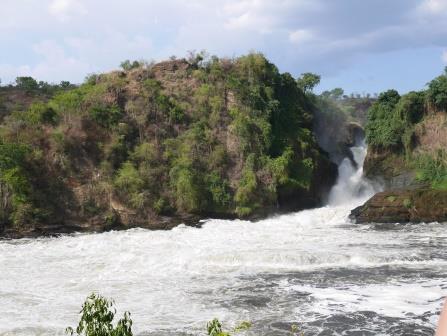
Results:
x,y
403,206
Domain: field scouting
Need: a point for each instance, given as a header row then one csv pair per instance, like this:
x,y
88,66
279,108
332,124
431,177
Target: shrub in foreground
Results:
x,y
98,313
97,317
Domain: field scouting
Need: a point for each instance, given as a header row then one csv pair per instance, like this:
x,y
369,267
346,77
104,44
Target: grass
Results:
x,y
440,184
407,203
432,169
391,198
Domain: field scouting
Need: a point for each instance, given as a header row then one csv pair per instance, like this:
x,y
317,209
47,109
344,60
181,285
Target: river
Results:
x,y
312,268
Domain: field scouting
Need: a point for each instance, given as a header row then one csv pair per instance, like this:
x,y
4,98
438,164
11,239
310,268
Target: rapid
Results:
x,y
313,268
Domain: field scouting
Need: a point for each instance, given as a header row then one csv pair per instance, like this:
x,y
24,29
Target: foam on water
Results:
x,y
313,268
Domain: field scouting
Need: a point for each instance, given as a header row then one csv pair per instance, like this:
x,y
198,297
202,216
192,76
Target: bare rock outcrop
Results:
x,y
403,206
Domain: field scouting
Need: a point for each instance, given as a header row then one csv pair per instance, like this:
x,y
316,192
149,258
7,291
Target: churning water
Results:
x,y
312,268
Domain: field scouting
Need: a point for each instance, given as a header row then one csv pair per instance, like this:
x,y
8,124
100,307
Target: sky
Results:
x,y
363,46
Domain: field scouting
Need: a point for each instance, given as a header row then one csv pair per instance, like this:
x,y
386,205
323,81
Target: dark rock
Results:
x,y
403,206
356,133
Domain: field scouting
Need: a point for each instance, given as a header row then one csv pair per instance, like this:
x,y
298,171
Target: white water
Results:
x,y
351,187
311,268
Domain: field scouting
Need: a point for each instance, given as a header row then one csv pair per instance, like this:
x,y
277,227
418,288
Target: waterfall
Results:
x,y
311,268
351,186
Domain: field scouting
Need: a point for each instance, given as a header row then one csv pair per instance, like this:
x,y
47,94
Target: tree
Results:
x,y
27,83
128,65
411,107
97,317
14,185
128,180
106,116
390,98
337,93
66,85
385,126
307,81
38,113
437,91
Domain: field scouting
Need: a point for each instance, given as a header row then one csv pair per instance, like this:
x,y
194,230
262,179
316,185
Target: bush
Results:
x,y
219,190
97,316
432,169
385,127
214,328
280,166
410,107
145,152
117,152
15,186
128,180
407,203
23,215
37,114
161,206
188,189
245,197
68,103
106,116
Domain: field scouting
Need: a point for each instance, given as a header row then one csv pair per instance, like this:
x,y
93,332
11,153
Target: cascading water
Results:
x,y
312,268
351,187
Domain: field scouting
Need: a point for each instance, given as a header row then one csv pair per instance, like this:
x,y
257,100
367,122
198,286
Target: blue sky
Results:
x,y
359,45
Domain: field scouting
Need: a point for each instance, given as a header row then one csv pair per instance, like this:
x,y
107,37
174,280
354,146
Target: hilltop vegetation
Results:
x,y
407,141
407,136
199,136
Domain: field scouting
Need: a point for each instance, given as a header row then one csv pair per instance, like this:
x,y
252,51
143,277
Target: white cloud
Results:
x,y
435,6
101,33
54,61
64,9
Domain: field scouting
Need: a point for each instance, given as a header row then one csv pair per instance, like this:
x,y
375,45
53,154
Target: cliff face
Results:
x,y
407,139
161,144
399,167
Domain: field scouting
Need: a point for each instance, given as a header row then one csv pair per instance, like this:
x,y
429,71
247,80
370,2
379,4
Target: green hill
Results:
x,y
158,143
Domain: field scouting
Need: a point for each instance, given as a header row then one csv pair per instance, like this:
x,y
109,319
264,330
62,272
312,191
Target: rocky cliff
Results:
x,y
407,137
157,144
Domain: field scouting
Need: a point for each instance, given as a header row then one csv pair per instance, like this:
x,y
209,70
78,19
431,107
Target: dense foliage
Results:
x,y
392,117
385,127
398,124
437,91
207,135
